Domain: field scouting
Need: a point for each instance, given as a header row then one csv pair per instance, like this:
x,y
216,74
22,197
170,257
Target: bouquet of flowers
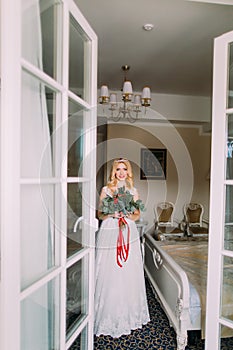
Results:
x,y
122,201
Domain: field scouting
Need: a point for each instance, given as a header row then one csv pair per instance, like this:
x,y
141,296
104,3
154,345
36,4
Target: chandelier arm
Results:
x,y
114,117
126,111
132,117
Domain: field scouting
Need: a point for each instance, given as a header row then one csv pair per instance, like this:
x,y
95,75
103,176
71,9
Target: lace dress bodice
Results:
x,y
108,191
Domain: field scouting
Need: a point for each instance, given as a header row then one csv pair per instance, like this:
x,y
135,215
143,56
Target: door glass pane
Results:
x,y
227,288
229,146
77,294
228,237
37,126
81,341
230,75
228,232
75,140
226,341
41,29
75,219
38,238
77,64
40,318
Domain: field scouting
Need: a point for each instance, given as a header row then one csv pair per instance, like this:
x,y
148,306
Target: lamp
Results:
x,y
130,108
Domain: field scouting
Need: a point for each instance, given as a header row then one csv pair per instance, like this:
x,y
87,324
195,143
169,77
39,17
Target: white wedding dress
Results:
x,y
120,295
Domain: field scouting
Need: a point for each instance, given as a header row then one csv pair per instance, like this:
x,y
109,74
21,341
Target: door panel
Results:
x,y
55,145
41,30
219,318
37,233
76,58
230,76
75,139
81,341
74,216
77,297
36,116
229,160
228,229
40,315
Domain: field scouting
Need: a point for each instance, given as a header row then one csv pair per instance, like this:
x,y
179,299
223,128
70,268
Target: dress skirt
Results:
x,y
120,294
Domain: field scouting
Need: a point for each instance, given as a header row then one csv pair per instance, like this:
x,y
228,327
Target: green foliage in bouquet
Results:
x,y
121,201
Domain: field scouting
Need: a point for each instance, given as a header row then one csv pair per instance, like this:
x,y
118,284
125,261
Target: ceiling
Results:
x,y
175,57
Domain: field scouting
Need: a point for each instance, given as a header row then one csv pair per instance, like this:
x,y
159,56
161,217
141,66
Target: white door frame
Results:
x,y
11,67
217,189
10,174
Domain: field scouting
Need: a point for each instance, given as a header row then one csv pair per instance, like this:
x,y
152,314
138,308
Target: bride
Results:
x,y
120,296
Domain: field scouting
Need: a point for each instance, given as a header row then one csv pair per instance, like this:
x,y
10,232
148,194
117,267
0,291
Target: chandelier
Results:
x,y
130,108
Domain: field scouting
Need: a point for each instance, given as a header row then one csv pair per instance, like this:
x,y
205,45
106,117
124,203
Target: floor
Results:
x,y
157,334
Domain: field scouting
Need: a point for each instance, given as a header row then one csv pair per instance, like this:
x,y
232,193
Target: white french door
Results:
x,y
48,146
219,317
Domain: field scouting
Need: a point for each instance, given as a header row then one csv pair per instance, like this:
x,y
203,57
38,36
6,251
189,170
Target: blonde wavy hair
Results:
x,y
112,182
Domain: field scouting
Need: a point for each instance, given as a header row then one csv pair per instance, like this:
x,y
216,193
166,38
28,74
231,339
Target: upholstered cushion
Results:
x,y
169,229
194,215
198,230
165,215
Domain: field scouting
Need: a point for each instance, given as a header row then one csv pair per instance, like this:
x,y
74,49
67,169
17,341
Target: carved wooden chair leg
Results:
x,y
182,341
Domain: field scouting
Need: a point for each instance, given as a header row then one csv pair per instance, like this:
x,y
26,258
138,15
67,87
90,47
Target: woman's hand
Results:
x,y
118,215
134,216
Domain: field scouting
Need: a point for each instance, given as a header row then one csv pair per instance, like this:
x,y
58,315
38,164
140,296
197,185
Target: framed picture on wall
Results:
x,y
153,164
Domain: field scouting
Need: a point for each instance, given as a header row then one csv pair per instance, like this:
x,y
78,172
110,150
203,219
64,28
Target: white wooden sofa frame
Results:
x,y
172,287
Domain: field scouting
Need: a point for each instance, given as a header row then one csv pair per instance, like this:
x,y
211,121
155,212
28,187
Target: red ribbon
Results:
x,y
122,248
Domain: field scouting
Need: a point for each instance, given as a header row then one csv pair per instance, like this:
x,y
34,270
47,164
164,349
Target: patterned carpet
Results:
x,y
157,334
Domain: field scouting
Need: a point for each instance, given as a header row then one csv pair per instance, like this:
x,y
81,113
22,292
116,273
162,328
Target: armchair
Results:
x,y
194,224
165,224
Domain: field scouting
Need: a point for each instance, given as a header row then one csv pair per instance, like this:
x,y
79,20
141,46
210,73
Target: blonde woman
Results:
x,y
120,296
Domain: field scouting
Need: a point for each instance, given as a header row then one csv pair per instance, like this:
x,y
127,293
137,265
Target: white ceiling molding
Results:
x,y
219,2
